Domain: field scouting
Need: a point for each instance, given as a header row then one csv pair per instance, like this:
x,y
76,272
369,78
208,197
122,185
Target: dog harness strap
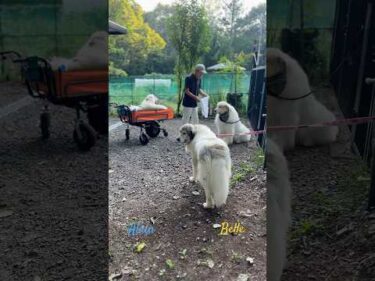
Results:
x,y
232,122
277,79
298,98
226,122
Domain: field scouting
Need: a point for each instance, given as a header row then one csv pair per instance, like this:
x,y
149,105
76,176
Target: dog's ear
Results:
x,y
191,132
281,64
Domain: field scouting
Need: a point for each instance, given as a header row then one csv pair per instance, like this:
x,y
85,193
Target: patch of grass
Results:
x,y
238,177
249,167
206,251
307,227
350,191
246,167
258,157
183,254
343,199
236,257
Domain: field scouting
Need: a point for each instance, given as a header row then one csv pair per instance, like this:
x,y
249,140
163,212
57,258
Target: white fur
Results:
x,y
278,210
303,111
150,103
211,163
235,128
93,55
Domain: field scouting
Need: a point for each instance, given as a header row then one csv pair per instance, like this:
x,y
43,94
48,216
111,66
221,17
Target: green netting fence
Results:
x,y
131,90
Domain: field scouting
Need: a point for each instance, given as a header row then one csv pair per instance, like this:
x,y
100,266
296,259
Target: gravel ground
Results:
x,y
53,203
149,184
332,234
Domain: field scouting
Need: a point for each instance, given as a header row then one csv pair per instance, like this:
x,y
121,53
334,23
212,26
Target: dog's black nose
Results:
x,y
178,139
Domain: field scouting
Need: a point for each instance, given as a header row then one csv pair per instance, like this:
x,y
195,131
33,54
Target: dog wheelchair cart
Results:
x,y
147,120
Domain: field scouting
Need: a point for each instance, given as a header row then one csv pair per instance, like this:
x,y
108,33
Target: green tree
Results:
x,y
188,30
162,62
253,33
130,52
232,14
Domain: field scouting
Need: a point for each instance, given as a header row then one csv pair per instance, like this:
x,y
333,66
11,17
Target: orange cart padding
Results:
x,y
81,83
152,115
78,83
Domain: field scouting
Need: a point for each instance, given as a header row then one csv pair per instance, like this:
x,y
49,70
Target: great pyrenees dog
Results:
x,y
278,210
93,55
211,162
228,122
291,102
151,103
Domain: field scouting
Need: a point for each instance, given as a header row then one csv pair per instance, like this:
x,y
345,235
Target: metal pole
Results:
x,y
302,27
371,204
362,63
1,39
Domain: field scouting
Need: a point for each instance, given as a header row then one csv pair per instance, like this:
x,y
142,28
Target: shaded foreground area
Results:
x,y
53,203
332,235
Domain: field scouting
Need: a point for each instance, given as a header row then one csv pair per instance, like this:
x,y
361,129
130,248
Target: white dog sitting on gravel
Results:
x,y
291,102
227,121
278,210
151,103
211,162
93,55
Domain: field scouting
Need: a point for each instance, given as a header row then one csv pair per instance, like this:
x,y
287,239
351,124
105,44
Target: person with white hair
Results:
x,y
192,95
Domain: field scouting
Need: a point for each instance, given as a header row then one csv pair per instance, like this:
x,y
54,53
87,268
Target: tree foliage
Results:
x,y
189,34
130,52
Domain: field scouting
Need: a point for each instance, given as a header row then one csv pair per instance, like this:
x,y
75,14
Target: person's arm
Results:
x,y
190,94
203,93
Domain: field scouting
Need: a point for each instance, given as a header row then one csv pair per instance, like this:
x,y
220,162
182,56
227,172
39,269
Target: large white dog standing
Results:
x,y
227,121
211,162
290,102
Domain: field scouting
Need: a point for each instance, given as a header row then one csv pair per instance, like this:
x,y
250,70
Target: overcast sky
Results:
x,y
149,5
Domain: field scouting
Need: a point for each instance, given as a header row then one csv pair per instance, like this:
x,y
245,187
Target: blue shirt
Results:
x,y
193,84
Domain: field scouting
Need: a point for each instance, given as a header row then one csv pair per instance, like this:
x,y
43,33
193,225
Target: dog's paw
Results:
x,y
192,179
207,206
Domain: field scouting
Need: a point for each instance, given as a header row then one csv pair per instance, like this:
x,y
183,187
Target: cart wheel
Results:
x,y
45,121
127,134
84,135
165,133
153,129
143,139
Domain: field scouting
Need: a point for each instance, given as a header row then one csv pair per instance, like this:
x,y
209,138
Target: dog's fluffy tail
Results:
x,y
214,172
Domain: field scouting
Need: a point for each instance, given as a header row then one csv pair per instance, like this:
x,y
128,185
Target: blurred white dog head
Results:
x,y
222,107
151,99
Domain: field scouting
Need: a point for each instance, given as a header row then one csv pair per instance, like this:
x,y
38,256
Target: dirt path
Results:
x,y
53,198
149,184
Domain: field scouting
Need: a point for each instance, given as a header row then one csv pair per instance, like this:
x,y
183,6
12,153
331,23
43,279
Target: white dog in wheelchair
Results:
x,y
227,121
211,162
291,102
278,210
151,103
92,56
